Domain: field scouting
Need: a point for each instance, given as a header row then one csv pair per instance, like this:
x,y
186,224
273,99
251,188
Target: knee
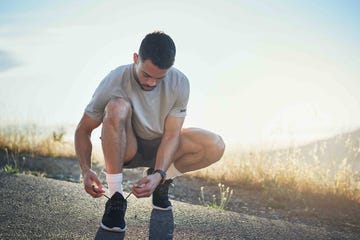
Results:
x,y
117,111
216,148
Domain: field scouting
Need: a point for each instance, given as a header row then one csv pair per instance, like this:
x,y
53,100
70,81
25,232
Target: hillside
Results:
x,y
328,152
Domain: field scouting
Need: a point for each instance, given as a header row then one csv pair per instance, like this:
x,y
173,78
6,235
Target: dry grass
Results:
x,y
18,140
286,175
283,175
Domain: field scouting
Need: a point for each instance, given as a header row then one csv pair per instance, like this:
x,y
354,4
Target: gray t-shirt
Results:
x,y
150,108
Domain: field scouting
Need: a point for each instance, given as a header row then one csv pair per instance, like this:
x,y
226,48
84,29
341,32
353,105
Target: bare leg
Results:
x,y
198,149
118,140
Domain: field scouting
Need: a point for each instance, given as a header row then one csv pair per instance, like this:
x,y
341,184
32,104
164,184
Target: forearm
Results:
x,y
166,151
83,148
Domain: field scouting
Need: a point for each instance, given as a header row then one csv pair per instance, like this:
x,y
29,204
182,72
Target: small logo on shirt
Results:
x,y
183,110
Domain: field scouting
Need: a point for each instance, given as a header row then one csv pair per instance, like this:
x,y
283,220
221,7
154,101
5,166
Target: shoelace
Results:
x,y
93,187
128,195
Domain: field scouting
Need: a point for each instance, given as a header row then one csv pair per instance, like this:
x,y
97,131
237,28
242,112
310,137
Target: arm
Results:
x,y
165,156
169,142
83,148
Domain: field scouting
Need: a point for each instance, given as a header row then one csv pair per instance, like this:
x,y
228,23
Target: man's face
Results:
x,y
147,74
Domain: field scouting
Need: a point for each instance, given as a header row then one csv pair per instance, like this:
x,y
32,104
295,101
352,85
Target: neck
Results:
x,y
135,76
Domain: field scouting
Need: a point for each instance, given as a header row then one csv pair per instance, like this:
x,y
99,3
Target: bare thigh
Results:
x,y
198,148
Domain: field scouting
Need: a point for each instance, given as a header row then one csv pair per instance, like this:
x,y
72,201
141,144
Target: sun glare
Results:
x,y
297,124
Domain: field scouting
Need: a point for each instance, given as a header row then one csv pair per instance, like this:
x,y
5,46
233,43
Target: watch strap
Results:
x,y
162,174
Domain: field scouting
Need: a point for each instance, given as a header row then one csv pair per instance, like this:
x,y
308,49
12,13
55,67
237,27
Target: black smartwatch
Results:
x,y
162,174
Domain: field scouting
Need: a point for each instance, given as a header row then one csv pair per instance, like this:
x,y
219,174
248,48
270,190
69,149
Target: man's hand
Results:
x,y
146,186
92,184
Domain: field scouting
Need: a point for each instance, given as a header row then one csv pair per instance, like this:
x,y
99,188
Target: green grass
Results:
x,y
221,202
10,169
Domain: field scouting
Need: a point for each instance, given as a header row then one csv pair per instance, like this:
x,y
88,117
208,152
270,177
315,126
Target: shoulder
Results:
x,y
119,76
121,72
178,84
177,78
177,74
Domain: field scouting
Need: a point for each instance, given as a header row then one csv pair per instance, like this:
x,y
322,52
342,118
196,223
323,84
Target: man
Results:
x,y
142,107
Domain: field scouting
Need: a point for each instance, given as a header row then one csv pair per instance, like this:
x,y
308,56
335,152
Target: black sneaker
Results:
x,y
160,197
114,215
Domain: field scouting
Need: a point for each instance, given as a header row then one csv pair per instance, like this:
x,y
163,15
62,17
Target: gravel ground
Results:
x,y
42,208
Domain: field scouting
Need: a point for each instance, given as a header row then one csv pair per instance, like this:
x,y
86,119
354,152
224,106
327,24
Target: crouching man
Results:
x,y
142,107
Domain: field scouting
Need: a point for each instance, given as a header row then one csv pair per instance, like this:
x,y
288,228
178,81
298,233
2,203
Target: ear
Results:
x,y
136,58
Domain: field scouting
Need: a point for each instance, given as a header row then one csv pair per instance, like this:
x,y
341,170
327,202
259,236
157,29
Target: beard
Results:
x,y
147,88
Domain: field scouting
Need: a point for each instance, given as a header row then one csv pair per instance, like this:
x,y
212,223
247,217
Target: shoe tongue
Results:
x,y
117,195
167,182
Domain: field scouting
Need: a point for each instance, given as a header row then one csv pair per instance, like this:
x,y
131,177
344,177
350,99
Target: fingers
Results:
x,y
93,190
142,188
145,187
92,185
97,183
141,182
141,192
98,192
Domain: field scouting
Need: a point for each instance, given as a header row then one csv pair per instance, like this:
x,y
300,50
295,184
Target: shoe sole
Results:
x,y
114,229
162,209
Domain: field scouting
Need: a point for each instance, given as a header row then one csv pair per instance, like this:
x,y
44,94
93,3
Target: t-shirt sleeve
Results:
x,y
180,107
103,93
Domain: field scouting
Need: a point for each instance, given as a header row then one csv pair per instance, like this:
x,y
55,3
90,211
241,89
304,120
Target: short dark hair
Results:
x,y
159,48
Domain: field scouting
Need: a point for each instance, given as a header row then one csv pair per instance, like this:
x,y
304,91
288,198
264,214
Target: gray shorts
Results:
x,y
146,153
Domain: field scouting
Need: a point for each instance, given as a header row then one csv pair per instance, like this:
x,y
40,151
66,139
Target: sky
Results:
x,y
261,72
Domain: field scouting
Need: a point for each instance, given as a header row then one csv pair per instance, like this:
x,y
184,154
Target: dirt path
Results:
x,y
41,208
